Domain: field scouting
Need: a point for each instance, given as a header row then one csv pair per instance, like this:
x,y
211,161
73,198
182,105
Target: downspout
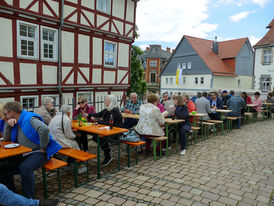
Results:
x,y
59,52
211,83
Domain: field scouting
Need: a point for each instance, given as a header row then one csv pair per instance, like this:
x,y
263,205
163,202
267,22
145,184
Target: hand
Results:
x,y
85,115
77,106
127,111
43,151
172,109
12,122
93,118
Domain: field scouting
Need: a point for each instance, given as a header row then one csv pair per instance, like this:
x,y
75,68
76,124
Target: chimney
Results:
x,y
173,50
147,48
215,46
168,49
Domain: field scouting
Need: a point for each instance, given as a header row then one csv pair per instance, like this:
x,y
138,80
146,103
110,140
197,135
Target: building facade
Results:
x,y
209,65
264,64
65,49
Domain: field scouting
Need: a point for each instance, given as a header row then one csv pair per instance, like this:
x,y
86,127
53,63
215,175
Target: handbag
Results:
x,y
130,136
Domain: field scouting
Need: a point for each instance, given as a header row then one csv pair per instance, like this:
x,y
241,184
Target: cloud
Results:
x,y
240,16
166,21
243,2
253,40
143,46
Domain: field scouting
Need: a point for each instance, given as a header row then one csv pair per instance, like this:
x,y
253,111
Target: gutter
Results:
x,y
59,52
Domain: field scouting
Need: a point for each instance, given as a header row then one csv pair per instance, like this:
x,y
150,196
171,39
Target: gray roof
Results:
x,y
155,51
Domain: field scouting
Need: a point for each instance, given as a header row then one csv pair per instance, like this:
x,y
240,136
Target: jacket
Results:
x,y
44,113
191,107
2,126
258,104
89,109
236,104
150,120
225,99
219,103
181,112
203,106
248,100
161,107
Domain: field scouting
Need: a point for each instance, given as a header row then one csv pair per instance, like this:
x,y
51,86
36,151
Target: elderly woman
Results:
x,y
47,110
2,121
150,120
111,110
60,129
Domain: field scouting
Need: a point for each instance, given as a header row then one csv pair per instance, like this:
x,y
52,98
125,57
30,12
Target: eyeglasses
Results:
x,y
81,102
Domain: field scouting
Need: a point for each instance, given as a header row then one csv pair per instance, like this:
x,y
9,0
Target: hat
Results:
x,y
224,91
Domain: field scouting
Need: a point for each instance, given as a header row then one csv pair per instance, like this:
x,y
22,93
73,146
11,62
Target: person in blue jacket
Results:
x,y
215,103
27,129
2,121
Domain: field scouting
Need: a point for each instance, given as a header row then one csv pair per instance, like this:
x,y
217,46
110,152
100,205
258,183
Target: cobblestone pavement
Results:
x,y
233,169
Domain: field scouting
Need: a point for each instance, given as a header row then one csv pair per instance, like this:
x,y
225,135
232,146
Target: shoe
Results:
x,y
164,149
183,152
106,161
82,170
47,202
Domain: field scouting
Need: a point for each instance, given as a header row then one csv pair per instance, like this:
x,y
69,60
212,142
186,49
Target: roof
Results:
x,y
231,48
155,51
268,37
212,60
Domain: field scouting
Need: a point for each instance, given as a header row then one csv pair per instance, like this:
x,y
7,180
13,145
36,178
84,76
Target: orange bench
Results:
x,y
133,144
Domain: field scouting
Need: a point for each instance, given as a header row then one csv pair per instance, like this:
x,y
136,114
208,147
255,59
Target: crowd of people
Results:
x,y
46,131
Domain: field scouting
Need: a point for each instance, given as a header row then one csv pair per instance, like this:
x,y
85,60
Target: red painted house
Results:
x,y
65,48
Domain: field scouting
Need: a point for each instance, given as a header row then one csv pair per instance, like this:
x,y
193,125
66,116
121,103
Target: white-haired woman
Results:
x,y
47,110
111,109
60,129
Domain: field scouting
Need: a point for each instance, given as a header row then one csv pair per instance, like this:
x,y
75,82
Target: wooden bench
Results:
x,y
135,145
205,126
195,129
154,142
220,122
230,120
247,116
78,156
51,165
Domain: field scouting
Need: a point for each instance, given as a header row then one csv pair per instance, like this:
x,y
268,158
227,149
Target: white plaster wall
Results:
x,y
90,17
118,8
101,20
223,82
96,76
68,10
67,47
49,74
88,3
67,98
98,97
5,37
28,73
119,26
54,5
6,68
123,55
121,74
128,27
130,11
109,77
65,71
83,49
85,71
9,2
97,51
4,100
24,4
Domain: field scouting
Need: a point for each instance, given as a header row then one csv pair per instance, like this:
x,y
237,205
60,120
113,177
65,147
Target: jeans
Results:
x,y
83,141
182,138
129,123
104,143
8,198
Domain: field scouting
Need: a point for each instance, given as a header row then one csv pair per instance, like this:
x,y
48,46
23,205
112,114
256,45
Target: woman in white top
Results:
x,y
60,129
150,120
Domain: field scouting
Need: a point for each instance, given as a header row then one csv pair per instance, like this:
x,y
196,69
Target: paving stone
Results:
x,y
166,202
91,201
263,199
196,191
93,193
228,201
80,197
210,195
235,197
155,194
116,200
104,197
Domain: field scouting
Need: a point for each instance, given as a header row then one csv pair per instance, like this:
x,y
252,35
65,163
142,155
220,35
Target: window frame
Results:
x,y
108,9
166,80
184,80
36,100
179,65
263,81
55,97
269,56
202,80
151,78
171,80
78,94
189,66
115,54
184,65
155,63
35,41
55,44
196,78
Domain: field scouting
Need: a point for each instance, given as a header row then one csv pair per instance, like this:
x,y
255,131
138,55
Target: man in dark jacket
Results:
x,y
215,103
225,97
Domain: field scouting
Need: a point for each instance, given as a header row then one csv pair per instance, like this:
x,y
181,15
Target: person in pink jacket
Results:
x,y
258,102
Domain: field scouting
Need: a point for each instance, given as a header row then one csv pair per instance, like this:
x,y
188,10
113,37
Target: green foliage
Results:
x,y
137,75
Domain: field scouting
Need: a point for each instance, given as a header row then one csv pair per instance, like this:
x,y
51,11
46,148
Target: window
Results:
x,y
55,97
153,63
170,94
239,82
196,80
103,5
88,95
265,83
188,65
178,65
202,80
152,77
29,102
184,80
184,65
49,44
110,54
166,80
27,40
179,93
267,56
171,80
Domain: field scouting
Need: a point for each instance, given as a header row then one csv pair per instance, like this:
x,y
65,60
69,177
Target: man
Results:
x,y
27,129
193,99
236,104
203,106
165,98
191,107
132,107
215,103
225,97
47,110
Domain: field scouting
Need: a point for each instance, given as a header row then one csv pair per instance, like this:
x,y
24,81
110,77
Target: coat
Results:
x,y
44,113
191,107
236,104
203,106
182,112
219,103
87,110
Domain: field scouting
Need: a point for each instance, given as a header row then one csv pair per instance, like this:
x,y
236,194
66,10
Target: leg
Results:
x,y
148,144
129,123
182,138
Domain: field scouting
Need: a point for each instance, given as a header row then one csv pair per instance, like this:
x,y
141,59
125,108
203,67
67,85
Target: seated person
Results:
x,y
203,106
190,105
225,97
215,103
83,108
270,99
47,110
60,129
2,119
165,98
257,102
160,106
236,104
27,129
111,110
132,107
169,104
247,98
150,120
9,198
181,112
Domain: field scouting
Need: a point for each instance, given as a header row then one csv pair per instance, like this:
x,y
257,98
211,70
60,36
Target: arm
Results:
x,y
159,117
182,113
91,109
75,114
67,129
99,114
42,130
7,132
208,109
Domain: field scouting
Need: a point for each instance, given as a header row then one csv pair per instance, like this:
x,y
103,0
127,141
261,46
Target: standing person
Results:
x,y
111,110
203,106
246,98
236,104
258,102
181,112
215,103
150,120
132,107
190,105
225,97
165,98
83,108
28,129
47,110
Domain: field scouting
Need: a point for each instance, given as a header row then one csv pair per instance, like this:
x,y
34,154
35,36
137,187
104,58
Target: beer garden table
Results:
x,y
5,153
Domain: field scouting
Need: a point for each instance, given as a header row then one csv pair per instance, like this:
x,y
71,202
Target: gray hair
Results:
x,y
65,108
133,94
238,93
113,102
47,100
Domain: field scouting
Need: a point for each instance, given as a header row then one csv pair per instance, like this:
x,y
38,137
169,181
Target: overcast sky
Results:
x,y
166,21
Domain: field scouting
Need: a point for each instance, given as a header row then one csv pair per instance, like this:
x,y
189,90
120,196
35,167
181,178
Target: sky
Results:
x,y
165,22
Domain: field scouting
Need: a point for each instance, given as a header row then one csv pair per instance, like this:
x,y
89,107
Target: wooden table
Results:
x,y
268,104
5,153
98,129
132,116
250,105
223,110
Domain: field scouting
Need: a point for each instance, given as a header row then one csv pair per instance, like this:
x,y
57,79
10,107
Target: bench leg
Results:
x,y
160,148
128,156
154,149
59,181
136,160
87,171
98,158
45,183
166,125
119,155
75,173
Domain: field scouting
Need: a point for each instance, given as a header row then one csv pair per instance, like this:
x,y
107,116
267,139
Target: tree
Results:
x,y
137,75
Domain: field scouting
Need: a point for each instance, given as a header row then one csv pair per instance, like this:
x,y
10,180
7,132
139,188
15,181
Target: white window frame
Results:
x,y
196,78
35,41
78,94
268,56
171,80
155,77
202,82
107,7
36,99
154,63
184,80
54,96
178,65
188,65
239,82
264,82
166,80
184,65
55,44
115,54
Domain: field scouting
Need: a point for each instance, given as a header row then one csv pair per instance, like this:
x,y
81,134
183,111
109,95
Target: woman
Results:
x,y
60,129
159,105
150,120
247,98
181,112
111,111
191,106
257,102
2,121
47,110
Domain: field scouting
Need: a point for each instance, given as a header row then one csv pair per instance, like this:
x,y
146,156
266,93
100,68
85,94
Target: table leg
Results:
x,y
195,131
128,156
119,154
98,158
177,137
166,125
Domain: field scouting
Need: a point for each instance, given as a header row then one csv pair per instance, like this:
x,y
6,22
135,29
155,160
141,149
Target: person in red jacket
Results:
x,y
247,98
191,107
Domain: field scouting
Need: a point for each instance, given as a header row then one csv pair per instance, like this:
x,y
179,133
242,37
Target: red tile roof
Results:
x,y
268,37
231,48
